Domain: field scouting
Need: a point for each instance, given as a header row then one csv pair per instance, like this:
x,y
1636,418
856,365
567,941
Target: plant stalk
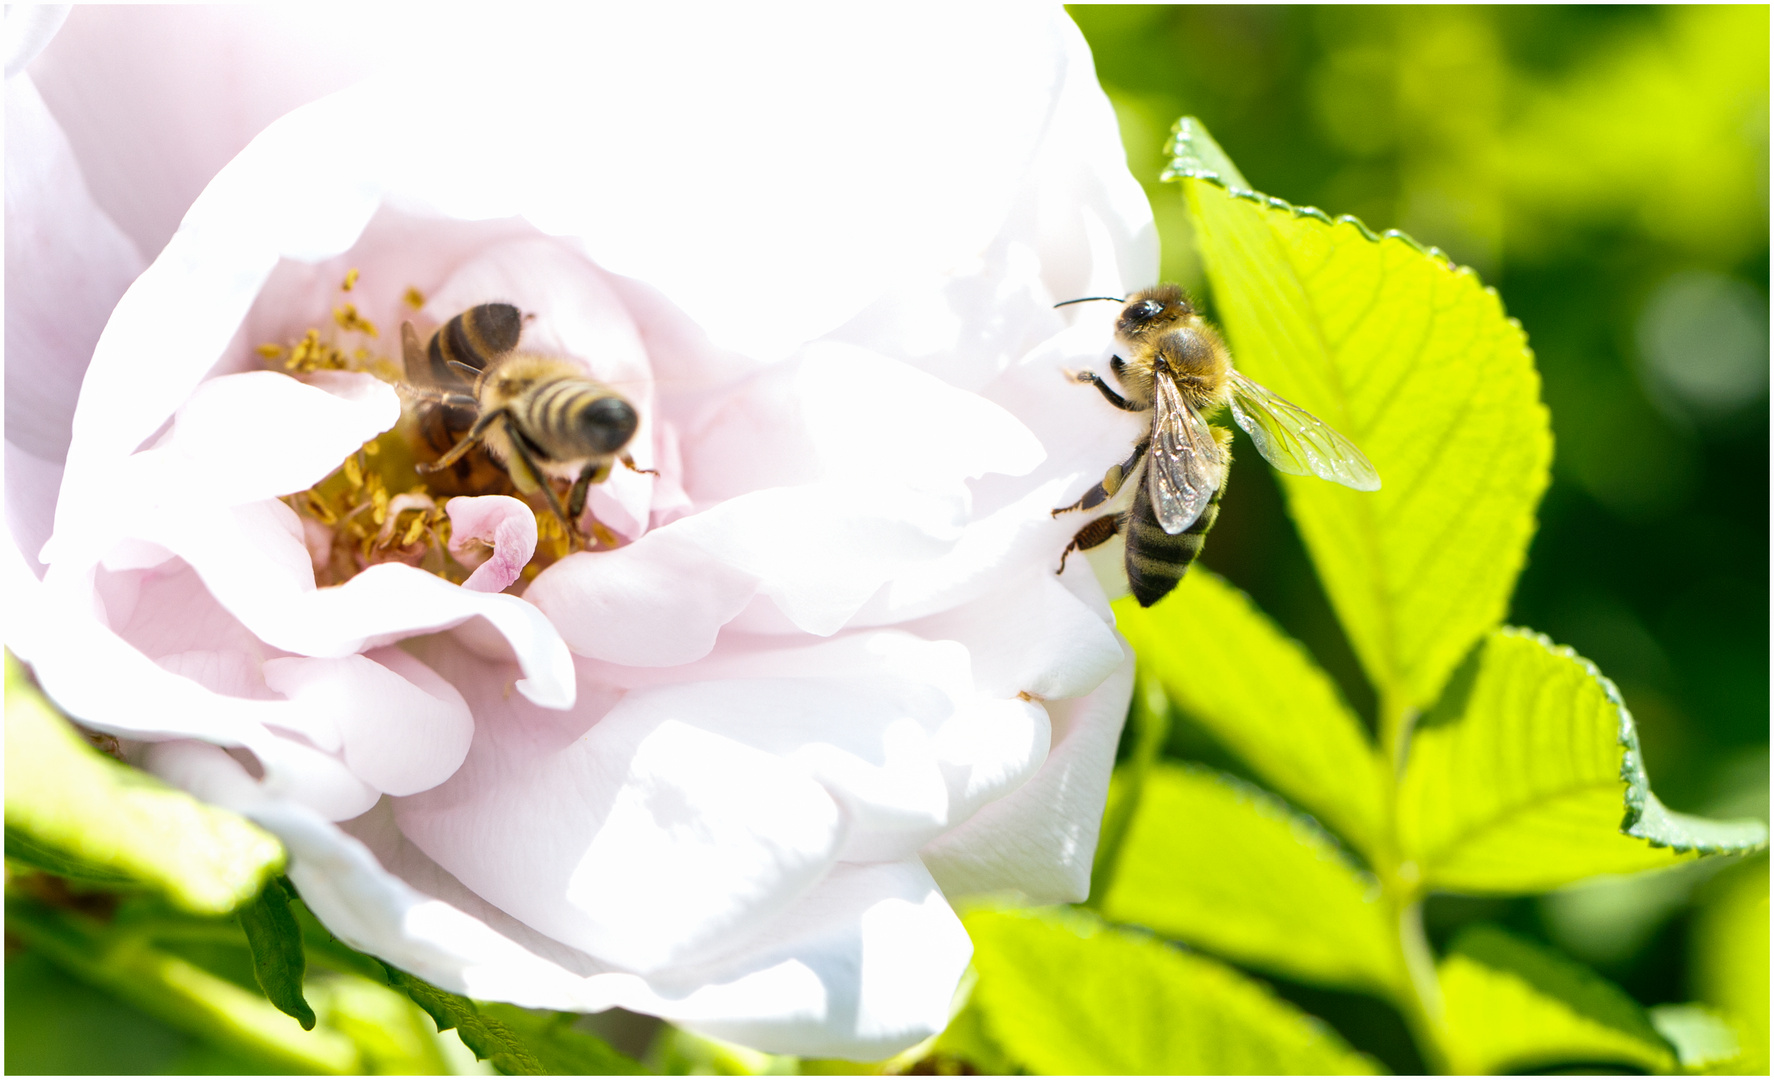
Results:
x,y
1418,995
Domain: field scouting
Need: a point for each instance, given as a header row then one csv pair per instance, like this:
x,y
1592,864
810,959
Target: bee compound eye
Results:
x,y
1150,309
608,423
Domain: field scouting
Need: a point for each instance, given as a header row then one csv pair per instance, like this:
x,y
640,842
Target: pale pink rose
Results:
x,y
729,771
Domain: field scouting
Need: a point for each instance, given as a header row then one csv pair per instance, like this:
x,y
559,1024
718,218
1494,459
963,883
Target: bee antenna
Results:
x,y
1087,299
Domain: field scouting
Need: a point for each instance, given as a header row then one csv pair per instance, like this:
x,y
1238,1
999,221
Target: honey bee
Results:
x,y
1171,362
538,418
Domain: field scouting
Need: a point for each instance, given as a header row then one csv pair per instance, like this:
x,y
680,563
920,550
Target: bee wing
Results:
x,y
1295,441
1183,469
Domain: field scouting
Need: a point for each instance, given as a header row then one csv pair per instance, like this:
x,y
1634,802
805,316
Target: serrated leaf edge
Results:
x,y
1176,171
1640,800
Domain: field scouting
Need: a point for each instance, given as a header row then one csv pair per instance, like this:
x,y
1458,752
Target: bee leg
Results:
x,y
1112,481
1108,391
591,474
628,461
1092,535
412,354
467,443
541,480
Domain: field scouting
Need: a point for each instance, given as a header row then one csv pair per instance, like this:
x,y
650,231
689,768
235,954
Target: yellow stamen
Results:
x,y
350,280
349,320
414,298
270,351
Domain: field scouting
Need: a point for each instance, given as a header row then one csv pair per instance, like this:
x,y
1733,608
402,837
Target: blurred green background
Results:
x,y
1606,170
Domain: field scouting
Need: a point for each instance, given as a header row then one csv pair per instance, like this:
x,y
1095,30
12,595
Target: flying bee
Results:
x,y
537,417
1171,362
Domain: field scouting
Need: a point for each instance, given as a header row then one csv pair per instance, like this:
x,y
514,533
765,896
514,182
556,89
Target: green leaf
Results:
x,y
391,1033
80,814
1703,1039
1730,954
1511,1007
1222,865
1414,360
177,991
1262,696
1527,776
967,1041
516,1041
278,959
1065,994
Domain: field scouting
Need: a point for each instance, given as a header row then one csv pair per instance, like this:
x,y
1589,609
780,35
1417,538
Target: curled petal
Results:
x,y
1040,838
253,558
397,724
867,964
498,521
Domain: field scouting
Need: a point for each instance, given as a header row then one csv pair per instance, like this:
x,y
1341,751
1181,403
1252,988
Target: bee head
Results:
x,y
604,425
1152,311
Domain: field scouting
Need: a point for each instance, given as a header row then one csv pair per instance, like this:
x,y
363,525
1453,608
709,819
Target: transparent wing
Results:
x,y
1295,441
1184,467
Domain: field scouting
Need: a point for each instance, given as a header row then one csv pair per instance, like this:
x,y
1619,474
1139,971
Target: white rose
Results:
x,y
727,771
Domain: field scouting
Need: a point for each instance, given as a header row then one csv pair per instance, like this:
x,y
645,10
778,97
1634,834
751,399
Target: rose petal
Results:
x,y
663,839
399,726
255,562
630,606
1040,838
866,965
501,521
31,488
66,265
260,434
157,99
1031,636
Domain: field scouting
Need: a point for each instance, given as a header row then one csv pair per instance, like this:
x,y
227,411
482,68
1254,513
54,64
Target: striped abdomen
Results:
x,y
568,418
1156,560
473,339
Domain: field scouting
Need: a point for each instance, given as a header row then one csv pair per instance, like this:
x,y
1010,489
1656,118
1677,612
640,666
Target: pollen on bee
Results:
x,y
350,280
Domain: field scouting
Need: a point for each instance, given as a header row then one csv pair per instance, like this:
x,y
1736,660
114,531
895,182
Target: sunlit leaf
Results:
x,y
279,961
1730,954
1232,869
1703,1039
1262,696
1065,994
1527,776
1512,1006
967,1041
516,1041
393,1035
176,991
78,813
1413,359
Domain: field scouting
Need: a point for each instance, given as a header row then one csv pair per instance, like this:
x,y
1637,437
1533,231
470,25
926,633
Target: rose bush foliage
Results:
x,y
729,771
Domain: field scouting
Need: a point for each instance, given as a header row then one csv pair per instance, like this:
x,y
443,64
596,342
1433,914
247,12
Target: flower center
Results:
x,y
374,508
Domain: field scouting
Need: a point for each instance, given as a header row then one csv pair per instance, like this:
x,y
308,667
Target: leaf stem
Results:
x,y
1418,995
1150,720
1421,1000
